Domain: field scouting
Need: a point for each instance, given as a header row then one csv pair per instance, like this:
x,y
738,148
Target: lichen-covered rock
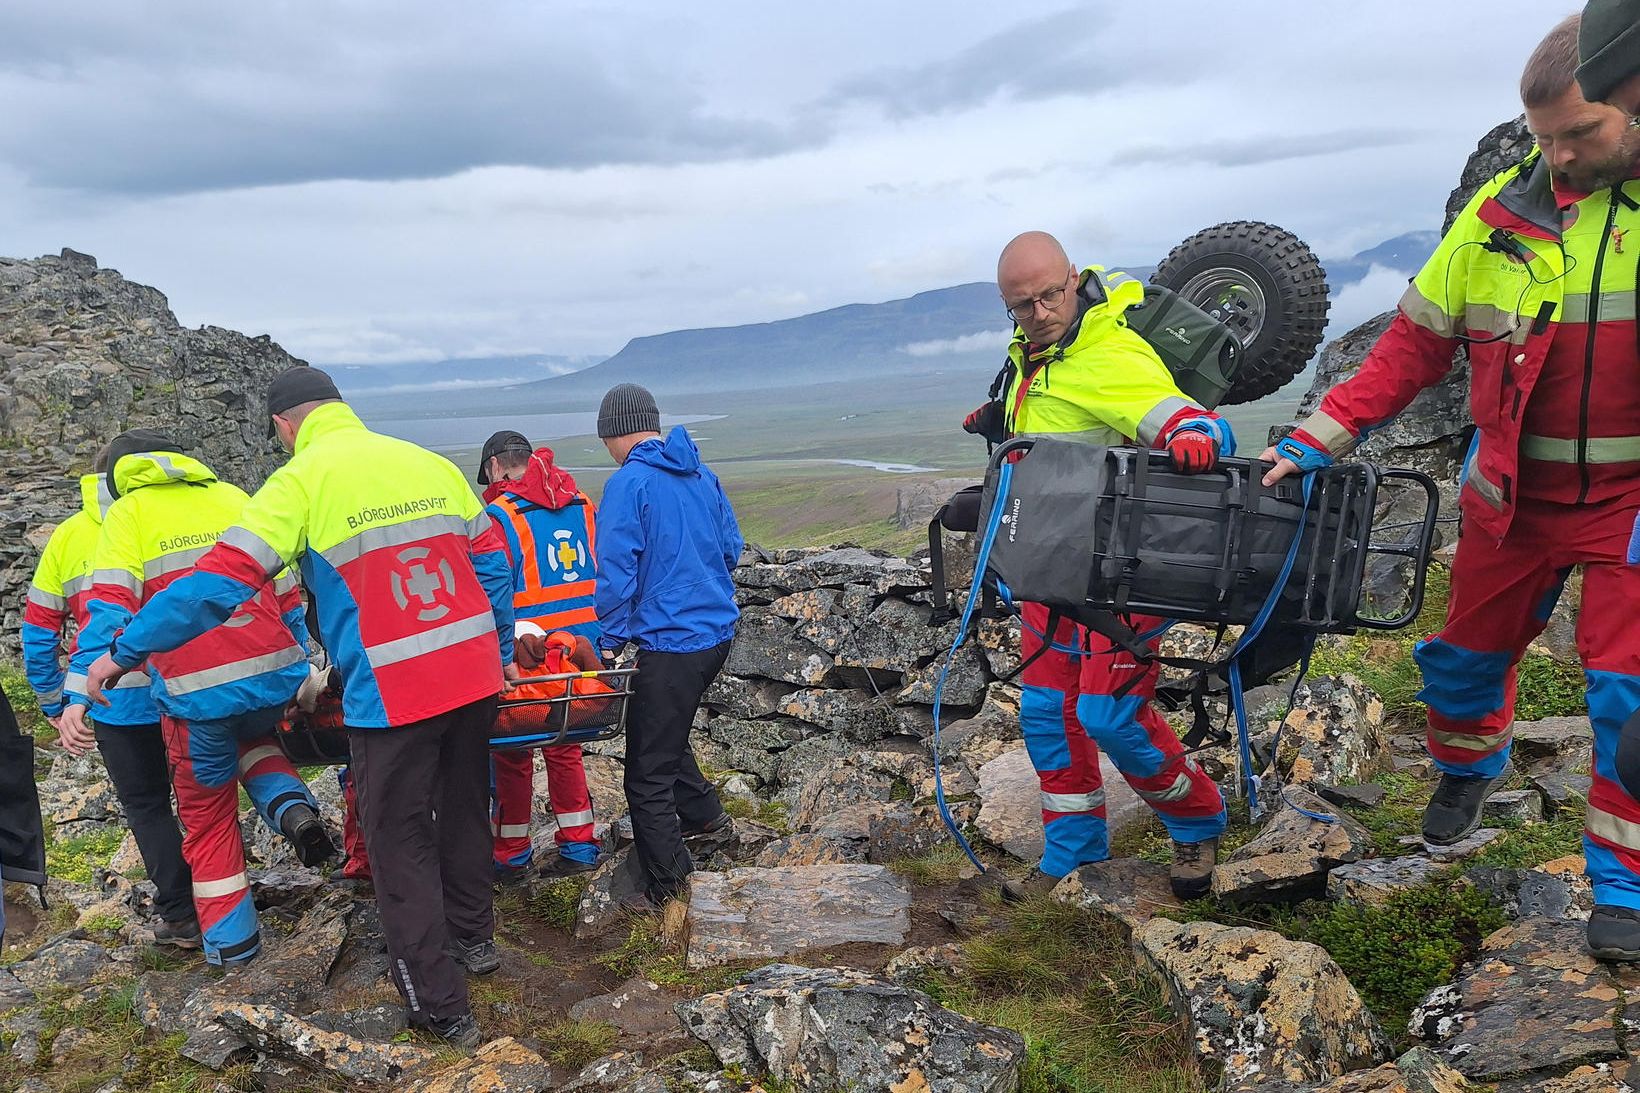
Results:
x,y
618,878
768,646
1335,733
859,716
1127,890
965,681
744,698
1377,879
278,1033
1291,856
1418,1071
67,961
830,1029
1261,1006
643,1012
1525,893
836,786
750,914
1562,791
501,1066
1010,796
808,848
1532,1001
1547,742
14,993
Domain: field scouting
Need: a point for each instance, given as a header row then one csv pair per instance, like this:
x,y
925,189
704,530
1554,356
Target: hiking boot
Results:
x,y
180,935
1025,889
511,875
1454,810
714,833
1191,876
459,1031
558,867
478,957
1614,934
306,832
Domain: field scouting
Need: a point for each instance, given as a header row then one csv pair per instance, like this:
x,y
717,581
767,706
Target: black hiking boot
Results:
x,y
1454,810
179,935
460,1031
306,832
1614,934
559,867
714,834
478,957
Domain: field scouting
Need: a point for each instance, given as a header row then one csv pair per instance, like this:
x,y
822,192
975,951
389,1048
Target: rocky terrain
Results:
x,y
838,941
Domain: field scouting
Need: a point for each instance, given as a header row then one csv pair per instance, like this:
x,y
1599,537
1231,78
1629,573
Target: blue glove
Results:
x,y
1634,542
1309,457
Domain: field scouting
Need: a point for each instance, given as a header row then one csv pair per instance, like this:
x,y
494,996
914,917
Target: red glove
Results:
x,y
1193,451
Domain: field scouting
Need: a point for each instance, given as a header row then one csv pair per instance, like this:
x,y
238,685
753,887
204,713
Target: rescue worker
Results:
x,y
220,689
127,731
668,543
547,527
1535,281
1609,48
415,608
1076,372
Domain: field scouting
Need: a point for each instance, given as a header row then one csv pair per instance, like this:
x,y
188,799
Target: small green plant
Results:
x,y
23,703
573,1044
643,945
1544,687
555,903
1530,845
770,813
77,859
1398,951
945,864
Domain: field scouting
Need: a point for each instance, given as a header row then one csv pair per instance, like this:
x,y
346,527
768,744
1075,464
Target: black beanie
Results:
x,y
131,442
1608,44
626,409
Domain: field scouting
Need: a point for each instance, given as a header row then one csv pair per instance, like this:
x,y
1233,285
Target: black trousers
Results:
x,y
135,758
423,794
664,786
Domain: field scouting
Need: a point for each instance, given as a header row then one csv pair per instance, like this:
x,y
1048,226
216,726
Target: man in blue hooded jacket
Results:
x,y
667,540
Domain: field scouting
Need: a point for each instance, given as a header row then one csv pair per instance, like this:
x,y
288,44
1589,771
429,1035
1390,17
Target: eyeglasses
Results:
x,y
1050,300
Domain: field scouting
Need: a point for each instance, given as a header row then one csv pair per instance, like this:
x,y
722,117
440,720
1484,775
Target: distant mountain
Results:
x,y
1405,253
450,375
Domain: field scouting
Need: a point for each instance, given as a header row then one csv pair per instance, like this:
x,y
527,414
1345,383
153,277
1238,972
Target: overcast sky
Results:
x,y
409,180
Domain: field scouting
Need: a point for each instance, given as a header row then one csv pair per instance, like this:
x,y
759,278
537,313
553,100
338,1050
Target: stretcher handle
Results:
x,y
1418,552
562,676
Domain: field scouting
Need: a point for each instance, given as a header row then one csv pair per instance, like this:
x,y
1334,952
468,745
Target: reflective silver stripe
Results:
x,y
440,637
77,681
227,886
1072,802
1488,492
75,585
256,755
46,698
410,531
511,831
1466,741
573,819
38,595
206,678
283,583
1178,791
1487,320
1613,828
1426,313
1614,307
119,578
1599,449
1150,426
1338,440
174,562
254,545
163,462
479,524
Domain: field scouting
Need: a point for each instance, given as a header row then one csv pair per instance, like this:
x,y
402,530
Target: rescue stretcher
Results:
x,y
544,711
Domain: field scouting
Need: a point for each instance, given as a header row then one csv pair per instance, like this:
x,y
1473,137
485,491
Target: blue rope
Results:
x,y
1005,475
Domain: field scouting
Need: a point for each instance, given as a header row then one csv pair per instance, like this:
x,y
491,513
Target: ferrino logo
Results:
x,y
1179,334
412,580
1012,520
568,555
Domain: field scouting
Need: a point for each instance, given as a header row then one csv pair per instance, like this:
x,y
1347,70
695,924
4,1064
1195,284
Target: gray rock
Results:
x,y
747,699
642,1010
278,1033
1011,803
1368,795
1503,146
291,888
1523,893
1260,1007
1290,858
1458,851
808,848
1335,733
831,1029
622,1072
619,877
67,961
748,914
1513,806
1376,879
965,681
839,784
14,993
859,716
1562,791
768,646
1552,739
896,637
501,1066
903,831
372,1023
1128,891
26,1027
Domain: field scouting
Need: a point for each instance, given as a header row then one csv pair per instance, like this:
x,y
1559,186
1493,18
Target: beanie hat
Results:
x,y
1608,44
628,408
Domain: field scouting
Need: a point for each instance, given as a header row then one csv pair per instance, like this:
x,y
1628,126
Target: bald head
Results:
x,y
1034,267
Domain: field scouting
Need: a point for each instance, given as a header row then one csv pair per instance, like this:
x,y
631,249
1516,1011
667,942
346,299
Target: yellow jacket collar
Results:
x,y
333,417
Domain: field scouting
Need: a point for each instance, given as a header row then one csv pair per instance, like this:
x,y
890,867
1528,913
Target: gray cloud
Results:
x,y
227,98
1256,149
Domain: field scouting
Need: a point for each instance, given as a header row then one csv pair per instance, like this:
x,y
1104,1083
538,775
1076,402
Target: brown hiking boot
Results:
x,y
1035,886
1192,872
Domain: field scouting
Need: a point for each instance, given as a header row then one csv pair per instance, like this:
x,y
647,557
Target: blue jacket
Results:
x,y
667,539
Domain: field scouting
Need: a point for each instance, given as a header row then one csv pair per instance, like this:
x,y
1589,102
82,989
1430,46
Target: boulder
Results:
x,y
1290,858
1531,1002
66,961
747,914
278,1033
768,646
807,848
1376,879
832,1029
1513,806
1258,1005
500,1066
641,1010
1010,794
1335,734
1552,742
1524,893
600,907
1127,890
838,785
